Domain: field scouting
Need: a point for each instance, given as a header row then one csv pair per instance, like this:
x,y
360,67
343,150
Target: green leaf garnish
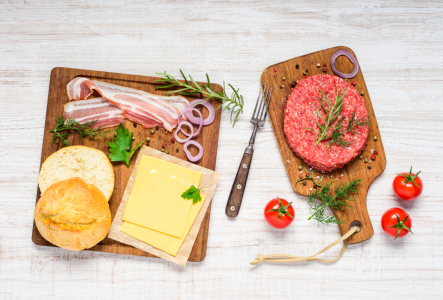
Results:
x,y
123,140
192,193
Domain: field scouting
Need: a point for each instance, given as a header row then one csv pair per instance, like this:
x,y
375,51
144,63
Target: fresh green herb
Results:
x,y
123,141
192,193
282,210
338,131
234,102
310,175
63,128
328,200
410,178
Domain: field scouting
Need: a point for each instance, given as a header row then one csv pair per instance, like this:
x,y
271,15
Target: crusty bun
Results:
x,y
73,215
92,165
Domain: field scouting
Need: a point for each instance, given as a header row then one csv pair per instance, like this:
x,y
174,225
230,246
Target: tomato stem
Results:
x,y
410,178
401,225
282,210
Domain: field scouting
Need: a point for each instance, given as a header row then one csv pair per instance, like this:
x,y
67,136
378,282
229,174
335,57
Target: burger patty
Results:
x,y
300,114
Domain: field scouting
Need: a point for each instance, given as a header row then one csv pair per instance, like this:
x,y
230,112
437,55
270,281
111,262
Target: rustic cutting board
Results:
x,y
208,138
274,74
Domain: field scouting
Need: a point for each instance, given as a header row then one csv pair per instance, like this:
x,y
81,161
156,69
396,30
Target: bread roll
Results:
x,y
73,215
90,164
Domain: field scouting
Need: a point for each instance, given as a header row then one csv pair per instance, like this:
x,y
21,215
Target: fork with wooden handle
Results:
x,y
239,185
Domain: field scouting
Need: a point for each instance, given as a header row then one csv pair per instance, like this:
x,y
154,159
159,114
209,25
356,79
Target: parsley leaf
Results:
x,y
192,193
117,149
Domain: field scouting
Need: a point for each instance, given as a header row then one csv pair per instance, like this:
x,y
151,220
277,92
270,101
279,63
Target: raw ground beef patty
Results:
x,y
300,114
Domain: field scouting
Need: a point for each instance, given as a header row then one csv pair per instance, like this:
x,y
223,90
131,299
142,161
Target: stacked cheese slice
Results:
x,y
156,213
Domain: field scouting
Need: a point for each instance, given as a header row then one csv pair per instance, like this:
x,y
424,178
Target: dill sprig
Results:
x,y
338,131
310,175
63,128
234,102
337,201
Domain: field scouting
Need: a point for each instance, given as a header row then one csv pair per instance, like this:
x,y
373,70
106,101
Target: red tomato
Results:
x,y
407,186
279,213
396,222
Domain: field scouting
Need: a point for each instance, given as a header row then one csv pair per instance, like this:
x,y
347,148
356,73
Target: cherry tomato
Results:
x,y
279,213
407,186
396,222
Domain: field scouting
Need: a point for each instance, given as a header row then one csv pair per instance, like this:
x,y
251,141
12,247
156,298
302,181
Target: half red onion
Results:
x,y
351,58
188,154
179,128
196,120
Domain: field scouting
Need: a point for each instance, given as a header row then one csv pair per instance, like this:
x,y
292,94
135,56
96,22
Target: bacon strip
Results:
x,y
138,106
106,114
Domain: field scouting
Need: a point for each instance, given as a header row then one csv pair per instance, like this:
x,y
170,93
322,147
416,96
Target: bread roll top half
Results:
x,y
73,214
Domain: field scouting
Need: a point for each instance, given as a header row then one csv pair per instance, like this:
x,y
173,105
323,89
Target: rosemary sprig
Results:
x,y
338,131
332,114
63,128
310,176
336,201
234,102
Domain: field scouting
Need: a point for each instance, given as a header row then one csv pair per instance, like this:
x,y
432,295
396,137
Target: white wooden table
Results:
x,y
399,46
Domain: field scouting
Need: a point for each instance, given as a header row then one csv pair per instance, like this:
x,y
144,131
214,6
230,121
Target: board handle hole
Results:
x,y
356,223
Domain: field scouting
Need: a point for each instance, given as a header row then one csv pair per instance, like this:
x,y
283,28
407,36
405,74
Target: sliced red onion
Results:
x,y
188,154
179,128
200,125
351,58
196,120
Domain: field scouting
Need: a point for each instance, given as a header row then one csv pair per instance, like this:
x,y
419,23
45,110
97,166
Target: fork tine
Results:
x,y
267,104
258,100
260,111
263,111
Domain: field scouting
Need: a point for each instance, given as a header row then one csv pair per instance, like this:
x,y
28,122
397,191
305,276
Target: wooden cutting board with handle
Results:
x,y
356,169
161,138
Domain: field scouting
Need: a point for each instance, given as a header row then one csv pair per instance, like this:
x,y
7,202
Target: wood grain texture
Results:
x,y
356,169
399,46
160,139
238,186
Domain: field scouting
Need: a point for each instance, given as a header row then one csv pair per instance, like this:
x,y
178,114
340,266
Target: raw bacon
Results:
x,y
136,105
100,109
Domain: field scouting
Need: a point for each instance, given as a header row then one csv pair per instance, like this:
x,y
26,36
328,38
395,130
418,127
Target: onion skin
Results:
x,y
351,58
206,104
188,154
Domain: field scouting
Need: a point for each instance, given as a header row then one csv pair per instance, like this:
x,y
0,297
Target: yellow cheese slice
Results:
x,y
164,242
155,201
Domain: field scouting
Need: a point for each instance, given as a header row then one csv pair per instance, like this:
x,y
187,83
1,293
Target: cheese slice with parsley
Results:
x,y
167,243
155,201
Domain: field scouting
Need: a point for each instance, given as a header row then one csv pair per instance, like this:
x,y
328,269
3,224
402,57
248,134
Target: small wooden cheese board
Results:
x,y
356,169
208,138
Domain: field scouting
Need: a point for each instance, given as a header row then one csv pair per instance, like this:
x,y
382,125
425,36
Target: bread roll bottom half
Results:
x,y
73,215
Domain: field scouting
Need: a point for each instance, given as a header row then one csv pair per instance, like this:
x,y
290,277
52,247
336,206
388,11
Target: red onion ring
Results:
x,y
190,109
195,120
179,127
188,154
351,58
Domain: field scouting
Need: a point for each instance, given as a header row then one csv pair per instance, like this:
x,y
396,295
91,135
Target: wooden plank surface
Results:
x,y
293,70
160,139
399,46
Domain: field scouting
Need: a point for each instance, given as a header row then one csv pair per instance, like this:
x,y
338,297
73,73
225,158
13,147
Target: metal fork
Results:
x,y
239,185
